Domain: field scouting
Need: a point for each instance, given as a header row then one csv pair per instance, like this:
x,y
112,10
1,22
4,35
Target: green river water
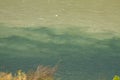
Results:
x,y
82,37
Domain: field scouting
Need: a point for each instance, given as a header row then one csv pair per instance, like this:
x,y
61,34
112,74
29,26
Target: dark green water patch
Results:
x,y
92,60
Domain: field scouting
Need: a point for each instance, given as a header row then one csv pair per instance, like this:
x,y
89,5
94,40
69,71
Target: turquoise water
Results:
x,y
80,56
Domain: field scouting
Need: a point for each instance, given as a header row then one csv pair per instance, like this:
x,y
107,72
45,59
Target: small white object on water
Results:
x,y
56,15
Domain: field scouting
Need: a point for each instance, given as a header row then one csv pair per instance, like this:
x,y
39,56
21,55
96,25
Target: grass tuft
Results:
x,y
41,73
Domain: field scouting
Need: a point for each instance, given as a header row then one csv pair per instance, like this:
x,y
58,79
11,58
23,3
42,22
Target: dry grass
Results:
x,y
41,73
